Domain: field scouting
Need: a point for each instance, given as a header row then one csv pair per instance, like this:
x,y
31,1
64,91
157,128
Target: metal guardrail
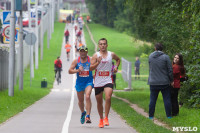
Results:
x,y
127,72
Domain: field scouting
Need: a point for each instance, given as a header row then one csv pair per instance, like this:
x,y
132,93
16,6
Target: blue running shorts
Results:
x,y
82,87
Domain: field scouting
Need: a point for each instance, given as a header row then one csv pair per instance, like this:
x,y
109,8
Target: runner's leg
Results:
x,y
67,55
88,91
80,96
108,93
99,99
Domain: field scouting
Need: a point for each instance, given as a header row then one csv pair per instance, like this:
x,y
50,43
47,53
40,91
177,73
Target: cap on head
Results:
x,y
83,48
58,57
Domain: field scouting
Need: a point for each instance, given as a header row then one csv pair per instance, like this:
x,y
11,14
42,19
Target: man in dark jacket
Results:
x,y
160,78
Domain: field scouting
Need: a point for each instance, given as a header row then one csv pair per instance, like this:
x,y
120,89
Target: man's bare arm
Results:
x,y
94,62
72,69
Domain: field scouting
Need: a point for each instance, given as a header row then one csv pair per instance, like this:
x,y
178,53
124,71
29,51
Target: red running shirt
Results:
x,y
58,63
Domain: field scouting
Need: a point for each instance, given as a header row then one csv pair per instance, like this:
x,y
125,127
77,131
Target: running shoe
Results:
x,y
88,120
106,123
101,123
83,117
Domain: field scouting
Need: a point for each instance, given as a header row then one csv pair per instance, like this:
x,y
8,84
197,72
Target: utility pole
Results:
x,y
12,51
58,9
50,11
41,34
49,27
31,46
53,14
36,32
21,64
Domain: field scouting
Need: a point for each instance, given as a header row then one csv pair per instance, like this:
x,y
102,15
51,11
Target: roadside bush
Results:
x,y
143,49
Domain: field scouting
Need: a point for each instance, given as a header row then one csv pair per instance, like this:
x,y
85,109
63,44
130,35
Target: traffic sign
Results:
x,y
6,31
7,40
33,14
30,39
6,17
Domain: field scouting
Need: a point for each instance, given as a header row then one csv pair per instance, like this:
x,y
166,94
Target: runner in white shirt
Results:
x,y
101,62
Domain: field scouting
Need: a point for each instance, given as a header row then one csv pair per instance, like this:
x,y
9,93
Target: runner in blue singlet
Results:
x,y
84,82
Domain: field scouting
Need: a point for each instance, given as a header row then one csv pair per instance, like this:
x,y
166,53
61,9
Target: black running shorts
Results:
x,y
98,90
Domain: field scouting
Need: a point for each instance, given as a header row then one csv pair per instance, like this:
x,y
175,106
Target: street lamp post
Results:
x,y
12,51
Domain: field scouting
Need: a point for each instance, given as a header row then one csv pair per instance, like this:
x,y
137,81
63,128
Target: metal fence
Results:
x,y
3,68
127,72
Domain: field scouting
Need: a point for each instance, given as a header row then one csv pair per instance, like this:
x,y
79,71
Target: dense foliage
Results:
x,y
175,23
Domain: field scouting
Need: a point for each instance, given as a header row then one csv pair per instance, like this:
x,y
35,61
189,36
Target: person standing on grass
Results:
x,y
84,82
137,68
160,79
178,70
101,62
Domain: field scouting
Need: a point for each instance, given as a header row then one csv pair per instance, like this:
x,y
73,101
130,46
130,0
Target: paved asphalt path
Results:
x,y
58,112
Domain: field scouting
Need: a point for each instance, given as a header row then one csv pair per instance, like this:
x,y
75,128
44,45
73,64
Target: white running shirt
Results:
x,y
103,71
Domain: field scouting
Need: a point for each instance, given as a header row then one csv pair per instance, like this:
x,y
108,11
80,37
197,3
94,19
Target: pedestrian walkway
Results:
x,y
58,112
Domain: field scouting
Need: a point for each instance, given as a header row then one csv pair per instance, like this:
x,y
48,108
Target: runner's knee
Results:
x,y
108,98
87,97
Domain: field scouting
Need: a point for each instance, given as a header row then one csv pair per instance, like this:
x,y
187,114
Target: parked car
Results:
x,y
25,22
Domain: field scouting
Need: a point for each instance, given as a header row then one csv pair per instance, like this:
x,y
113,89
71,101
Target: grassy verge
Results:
x,y
124,46
139,122
187,117
89,43
10,106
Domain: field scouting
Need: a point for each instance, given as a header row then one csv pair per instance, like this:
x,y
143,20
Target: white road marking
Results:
x,y
65,128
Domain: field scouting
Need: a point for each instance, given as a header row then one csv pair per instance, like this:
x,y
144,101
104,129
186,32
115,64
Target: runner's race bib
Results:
x,y
84,73
104,73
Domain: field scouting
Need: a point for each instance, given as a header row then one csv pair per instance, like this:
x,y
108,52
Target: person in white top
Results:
x,y
101,62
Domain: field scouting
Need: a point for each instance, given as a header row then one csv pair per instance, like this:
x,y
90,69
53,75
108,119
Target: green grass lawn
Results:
x,y
139,122
124,46
89,43
186,118
10,106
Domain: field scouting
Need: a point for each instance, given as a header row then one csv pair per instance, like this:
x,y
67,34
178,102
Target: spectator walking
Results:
x,y
137,68
178,70
160,79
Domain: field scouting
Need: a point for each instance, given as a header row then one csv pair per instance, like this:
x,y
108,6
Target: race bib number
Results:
x,y
84,73
104,73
